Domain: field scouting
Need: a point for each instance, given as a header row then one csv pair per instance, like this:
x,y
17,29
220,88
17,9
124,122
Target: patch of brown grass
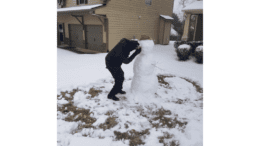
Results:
x,y
109,123
109,113
165,121
72,93
195,84
180,101
133,136
79,114
166,135
162,82
94,92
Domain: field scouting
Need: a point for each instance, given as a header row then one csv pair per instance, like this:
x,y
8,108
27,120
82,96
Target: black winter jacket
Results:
x,y
119,54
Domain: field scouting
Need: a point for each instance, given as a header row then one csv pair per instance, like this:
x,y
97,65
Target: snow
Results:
x,y
78,97
83,141
74,70
145,82
173,32
166,17
85,71
87,7
184,46
62,101
197,5
199,48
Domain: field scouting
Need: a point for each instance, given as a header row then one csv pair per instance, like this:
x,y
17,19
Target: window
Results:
x,y
148,2
82,2
61,2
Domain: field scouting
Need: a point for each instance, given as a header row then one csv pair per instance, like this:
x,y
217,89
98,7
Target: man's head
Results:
x,y
134,44
130,45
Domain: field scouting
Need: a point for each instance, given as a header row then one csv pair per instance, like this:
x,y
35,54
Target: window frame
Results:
x,y
148,2
85,2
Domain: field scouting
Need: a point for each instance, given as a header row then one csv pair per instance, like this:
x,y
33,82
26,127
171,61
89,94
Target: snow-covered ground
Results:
x,y
81,69
174,115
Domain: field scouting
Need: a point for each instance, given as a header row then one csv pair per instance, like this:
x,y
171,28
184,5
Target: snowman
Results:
x,y
145,83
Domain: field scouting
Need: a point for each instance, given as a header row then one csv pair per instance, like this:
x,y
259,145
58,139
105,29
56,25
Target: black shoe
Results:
x,y
113,98
122,92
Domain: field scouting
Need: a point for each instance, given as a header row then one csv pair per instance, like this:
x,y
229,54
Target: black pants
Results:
x,y
118,75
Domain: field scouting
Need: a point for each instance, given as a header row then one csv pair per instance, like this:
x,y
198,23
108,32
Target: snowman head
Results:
x,y
146,45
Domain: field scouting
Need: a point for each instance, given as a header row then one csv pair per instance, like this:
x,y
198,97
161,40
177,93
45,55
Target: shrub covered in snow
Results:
x,y
199,54
183,52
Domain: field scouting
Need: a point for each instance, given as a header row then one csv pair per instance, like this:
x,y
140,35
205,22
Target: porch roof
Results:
x,y
197,5
78,8
166,17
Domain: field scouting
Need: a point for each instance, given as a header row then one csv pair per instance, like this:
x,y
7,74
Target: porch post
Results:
x,y
185,35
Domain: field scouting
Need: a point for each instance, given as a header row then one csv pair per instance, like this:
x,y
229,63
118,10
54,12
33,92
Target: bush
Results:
x,y
183,52
199,54
176,44
173,38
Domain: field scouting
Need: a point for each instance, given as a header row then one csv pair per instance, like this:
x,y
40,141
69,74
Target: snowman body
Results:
x,y
145,82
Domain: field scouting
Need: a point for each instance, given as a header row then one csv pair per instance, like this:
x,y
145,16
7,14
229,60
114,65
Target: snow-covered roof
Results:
x,y
197,5
166,17
87,7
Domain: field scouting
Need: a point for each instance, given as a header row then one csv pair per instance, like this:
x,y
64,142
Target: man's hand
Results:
x,y
128,60
138,50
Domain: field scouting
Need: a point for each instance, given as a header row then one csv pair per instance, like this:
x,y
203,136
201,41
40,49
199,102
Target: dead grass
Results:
x,y
109,123
166,84
71,93
78,114
195,84
166,135
109,113
163,121
94,92
162,82
134,137
180,101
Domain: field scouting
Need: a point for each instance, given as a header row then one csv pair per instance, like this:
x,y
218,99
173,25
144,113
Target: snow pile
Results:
x,y
173,32
79,97
145,82
62,101
199,48
184,46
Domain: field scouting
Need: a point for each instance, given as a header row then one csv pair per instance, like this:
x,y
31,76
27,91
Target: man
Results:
x,y
114,59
